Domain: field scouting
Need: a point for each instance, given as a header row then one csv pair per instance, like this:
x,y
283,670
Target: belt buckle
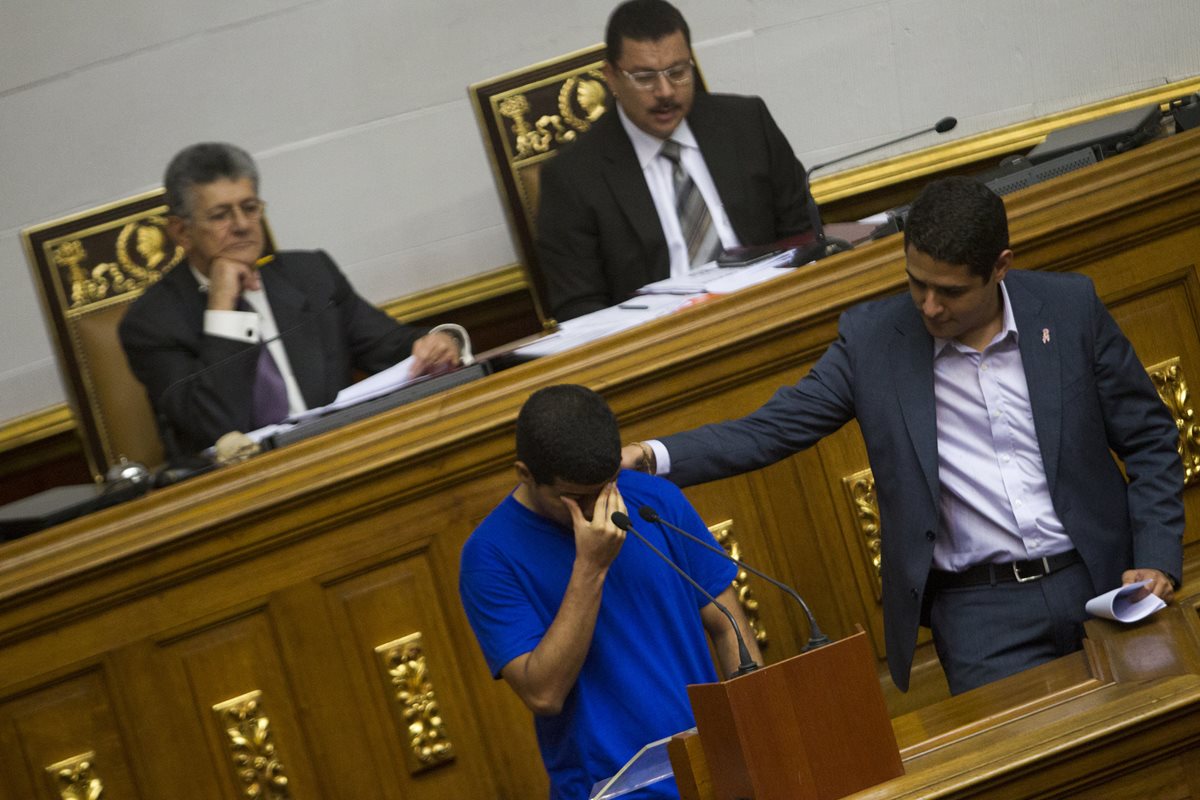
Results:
x,y
1028,579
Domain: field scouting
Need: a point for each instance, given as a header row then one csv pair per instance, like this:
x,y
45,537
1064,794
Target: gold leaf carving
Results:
x,y
252,747
723,533
589,91
144,253
1172,387
527,140
860,492
75,778
415,702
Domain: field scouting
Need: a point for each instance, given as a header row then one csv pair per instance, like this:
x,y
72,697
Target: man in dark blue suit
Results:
x,y
989,401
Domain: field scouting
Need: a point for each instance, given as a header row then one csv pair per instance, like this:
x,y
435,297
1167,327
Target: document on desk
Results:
x,y
1118,604
381,383
605,322
711,279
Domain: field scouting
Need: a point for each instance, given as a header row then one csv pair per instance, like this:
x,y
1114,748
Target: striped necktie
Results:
x,y
268,397
699,233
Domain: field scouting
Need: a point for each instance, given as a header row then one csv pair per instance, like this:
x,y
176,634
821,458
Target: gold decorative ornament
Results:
x,y
252,748
860,492
414,702
75,778
1172,387
145,251
723,533
144,254
589,92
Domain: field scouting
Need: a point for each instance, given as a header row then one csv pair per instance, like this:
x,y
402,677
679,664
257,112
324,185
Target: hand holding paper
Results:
x,y
1119,604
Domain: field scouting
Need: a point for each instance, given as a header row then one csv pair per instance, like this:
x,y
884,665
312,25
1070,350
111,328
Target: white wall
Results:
x,y
358,114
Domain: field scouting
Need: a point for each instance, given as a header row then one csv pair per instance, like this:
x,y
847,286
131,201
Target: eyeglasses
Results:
x,y
222,217
680,75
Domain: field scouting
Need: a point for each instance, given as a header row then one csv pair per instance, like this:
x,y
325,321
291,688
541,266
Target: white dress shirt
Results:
x,y
253,327
658,173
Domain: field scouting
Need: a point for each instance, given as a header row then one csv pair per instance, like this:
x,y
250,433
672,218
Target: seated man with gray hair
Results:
x,y
184,336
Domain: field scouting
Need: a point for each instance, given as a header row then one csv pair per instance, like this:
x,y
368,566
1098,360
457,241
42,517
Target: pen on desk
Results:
x,y
634,306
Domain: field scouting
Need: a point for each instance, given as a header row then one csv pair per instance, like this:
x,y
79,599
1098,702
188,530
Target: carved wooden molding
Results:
x,y
75,778
414,702
1172,387
252,747
860,493
723,533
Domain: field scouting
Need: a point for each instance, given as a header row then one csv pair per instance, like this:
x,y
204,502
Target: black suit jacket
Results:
x,y
199,385
598,234
1088,392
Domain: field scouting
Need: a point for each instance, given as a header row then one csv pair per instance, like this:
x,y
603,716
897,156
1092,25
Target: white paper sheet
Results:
x,y
1118,605
605,322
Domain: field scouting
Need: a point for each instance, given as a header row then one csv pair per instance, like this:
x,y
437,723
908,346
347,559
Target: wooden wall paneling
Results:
x,y
496,712
797,539
71,722
258,744
166,732
742,503
1161,316
319,662
378,606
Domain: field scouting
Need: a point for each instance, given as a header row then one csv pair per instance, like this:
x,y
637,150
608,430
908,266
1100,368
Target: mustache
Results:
x,y
665,106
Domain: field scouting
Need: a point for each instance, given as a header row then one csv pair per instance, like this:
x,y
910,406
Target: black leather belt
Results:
x,y
1009,572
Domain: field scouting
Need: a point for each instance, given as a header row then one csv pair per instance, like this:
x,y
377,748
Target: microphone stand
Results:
x,y
828,247
748,665
816,638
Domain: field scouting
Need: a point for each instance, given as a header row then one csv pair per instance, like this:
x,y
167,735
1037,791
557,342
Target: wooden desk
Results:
x,y
307,574
1121,719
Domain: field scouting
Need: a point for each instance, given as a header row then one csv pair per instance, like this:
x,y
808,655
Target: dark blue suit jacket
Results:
x,y
328,332
1089,394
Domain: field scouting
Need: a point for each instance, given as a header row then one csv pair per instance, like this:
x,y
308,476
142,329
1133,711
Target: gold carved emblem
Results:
x,y
581,100
415,702
586,92
723,533
75,778
1172,387
252,748
860,492
144,253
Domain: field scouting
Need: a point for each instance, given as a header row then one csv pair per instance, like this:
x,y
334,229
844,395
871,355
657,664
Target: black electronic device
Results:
x,y
1186,112
62,503
1106,136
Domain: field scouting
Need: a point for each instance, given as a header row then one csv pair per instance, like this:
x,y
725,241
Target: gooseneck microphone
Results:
x,y
623,522
831,246
941,126
815,637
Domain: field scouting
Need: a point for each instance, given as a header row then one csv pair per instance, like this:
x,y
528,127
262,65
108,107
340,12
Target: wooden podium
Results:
x,y
812,727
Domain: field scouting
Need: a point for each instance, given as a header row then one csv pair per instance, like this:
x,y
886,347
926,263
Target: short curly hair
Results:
x,y
958,220
568,432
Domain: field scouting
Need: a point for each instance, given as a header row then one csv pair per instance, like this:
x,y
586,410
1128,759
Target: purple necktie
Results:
x,y
268,399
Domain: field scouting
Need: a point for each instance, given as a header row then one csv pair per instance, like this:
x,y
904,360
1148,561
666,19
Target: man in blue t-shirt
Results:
x,y
598,637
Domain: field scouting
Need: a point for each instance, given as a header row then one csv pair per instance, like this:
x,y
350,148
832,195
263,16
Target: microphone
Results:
x,y
941,126
829,247
623,522
815,637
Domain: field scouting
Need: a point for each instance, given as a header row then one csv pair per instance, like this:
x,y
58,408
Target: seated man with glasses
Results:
x,y
664,183
193,338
